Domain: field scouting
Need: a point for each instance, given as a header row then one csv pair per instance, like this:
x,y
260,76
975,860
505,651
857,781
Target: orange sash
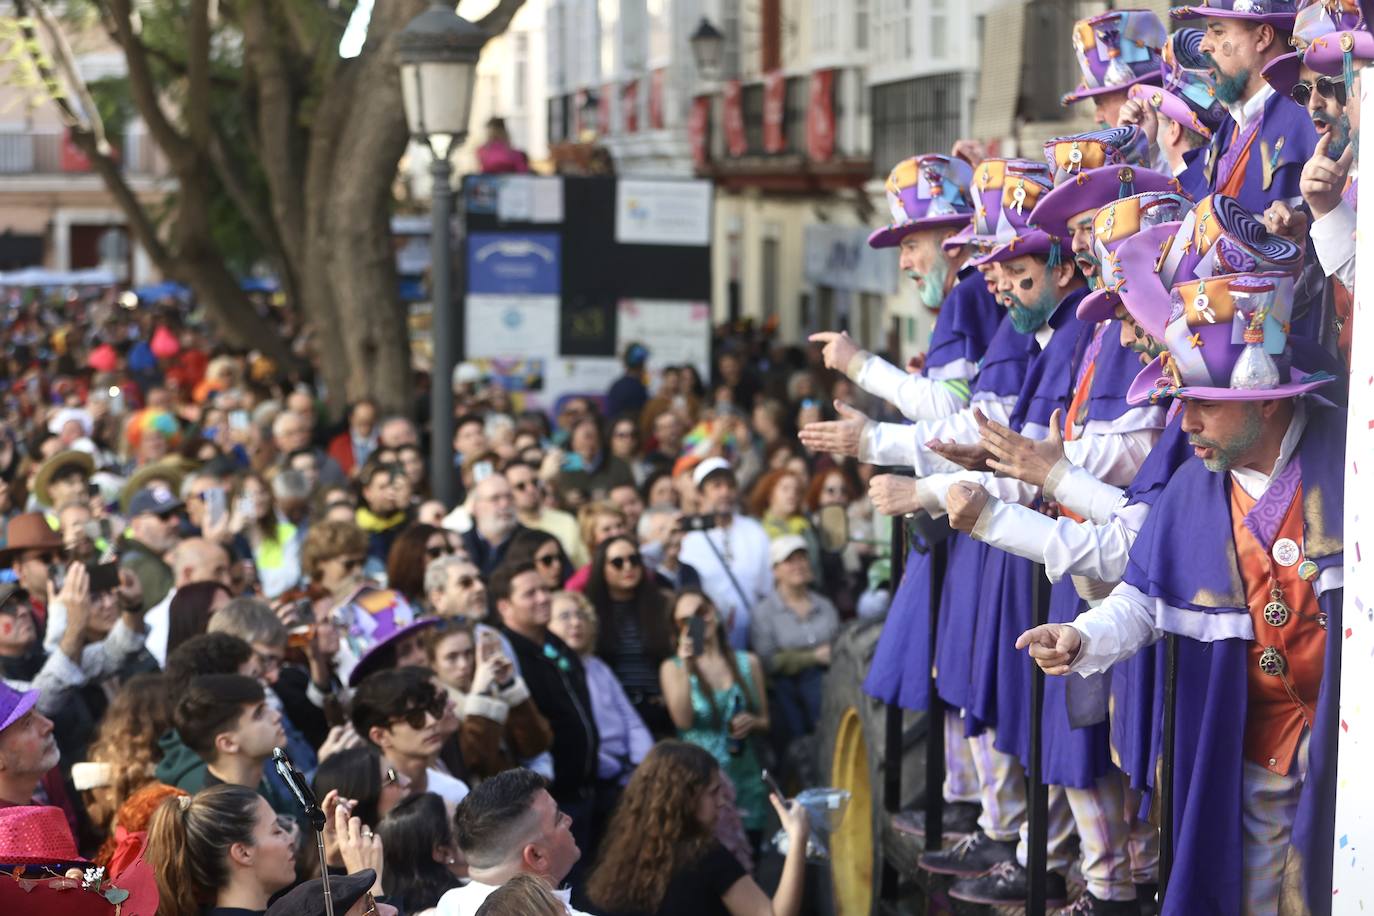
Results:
x,y
1237,177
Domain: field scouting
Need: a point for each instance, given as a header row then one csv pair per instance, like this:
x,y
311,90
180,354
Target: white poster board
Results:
x,y
662,212
1352,883
676,333
511,326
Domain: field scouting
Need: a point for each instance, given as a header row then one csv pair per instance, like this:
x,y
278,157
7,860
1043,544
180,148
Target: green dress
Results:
x,y
743,769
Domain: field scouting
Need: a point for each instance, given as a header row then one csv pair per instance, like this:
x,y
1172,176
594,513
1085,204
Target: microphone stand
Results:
x,y
295,781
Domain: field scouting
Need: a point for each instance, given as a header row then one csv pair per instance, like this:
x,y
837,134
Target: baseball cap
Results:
x,y
155,500
708,467
783,547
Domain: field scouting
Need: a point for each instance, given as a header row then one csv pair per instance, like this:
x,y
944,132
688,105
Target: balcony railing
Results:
x,y
51,153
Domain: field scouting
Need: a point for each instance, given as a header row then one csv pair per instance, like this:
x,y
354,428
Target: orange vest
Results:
x,y
1078,405
1275,717
1232,185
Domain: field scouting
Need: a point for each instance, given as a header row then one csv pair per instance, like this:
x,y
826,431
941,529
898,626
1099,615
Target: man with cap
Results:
x,y
1256,157
153,519
627,394
32,549
930,201
63,478
1116,50
1254,743
732,555
28,749
1183,114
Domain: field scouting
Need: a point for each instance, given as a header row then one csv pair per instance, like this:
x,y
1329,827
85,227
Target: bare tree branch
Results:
x,y
197,105
66,64
499,19
141,84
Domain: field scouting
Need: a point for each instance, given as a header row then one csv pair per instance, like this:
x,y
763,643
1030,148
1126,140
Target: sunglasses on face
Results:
x,y
523,485
350,564
633,560
416,715
47,559
1328,87
435,553
548,560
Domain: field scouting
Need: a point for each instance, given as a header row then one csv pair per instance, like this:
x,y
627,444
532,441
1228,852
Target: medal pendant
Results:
x,y
1271,662
1276,613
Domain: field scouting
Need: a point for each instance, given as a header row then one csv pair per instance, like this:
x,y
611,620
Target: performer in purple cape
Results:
x,y
1257,156
967,342
1116,50
1241,558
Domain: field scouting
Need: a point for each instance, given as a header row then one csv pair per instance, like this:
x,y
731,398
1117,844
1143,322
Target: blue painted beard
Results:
x,y
1230,89
1340,136
1027,318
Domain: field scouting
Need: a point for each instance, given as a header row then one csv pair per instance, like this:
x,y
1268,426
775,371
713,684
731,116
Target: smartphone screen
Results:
x,y
238,419
696,631
214,505
104,577
772,785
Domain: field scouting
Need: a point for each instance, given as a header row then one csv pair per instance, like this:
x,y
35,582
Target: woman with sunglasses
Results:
x,y
413,550
500,724
632,616
333,557
598,522
545,551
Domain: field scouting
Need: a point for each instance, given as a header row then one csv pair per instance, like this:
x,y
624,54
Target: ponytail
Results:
x,y
188,845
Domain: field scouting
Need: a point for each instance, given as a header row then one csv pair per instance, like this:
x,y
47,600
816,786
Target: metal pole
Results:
x,y
892,730
441,327
1166,788
935,711
1038,826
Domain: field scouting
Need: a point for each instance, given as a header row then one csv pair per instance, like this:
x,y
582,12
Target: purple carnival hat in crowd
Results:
x,y
373,619
14,704
1116,50
925,192
1278,13
1189,93
1070,157
1335,54
1005,191
1227,340
1122,222
1316,19
1093,188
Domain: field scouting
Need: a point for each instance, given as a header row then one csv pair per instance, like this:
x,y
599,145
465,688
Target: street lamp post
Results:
x,y
437,52
708,44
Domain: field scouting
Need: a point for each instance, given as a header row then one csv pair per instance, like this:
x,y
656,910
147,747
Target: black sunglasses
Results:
x,y
435,553
416,715
352,563
633,560
549,560
1328,87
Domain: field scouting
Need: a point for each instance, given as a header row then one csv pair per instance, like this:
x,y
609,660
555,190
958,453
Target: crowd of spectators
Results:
x,y
558,691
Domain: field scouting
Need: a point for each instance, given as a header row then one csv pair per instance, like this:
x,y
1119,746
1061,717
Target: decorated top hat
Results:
x,y
1005,191
1116,50
1030,241
1335,54
1227,340
1119,224
925,192
372,620
1278,13
1315,19
1094,189
1189,93
1071,156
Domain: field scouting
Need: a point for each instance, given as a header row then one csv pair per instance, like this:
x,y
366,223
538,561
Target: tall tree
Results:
x,y
250,102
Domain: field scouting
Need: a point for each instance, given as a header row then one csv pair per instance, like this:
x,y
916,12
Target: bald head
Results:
x,y
200,560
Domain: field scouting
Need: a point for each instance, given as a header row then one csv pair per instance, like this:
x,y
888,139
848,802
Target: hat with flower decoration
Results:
x,y
925,192
1116,50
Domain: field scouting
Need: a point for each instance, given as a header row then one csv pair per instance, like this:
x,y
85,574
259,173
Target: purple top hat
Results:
x,y
925,192
1227,340
1316,18
1189,94
1278,13
1335,54
1005,191
1116,50
1118,225
1068,157
1094,189
373,619
14,704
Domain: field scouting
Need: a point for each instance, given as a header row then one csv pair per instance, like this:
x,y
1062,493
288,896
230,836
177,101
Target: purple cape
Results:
x,y
1201,575
967,321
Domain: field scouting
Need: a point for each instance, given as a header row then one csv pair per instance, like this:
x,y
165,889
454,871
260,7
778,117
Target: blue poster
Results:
x,y
514,262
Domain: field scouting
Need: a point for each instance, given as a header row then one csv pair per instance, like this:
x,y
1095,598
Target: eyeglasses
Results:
x,y
435,553
466,582
633,560
1328,87
523,485
47,559
547,560
415,716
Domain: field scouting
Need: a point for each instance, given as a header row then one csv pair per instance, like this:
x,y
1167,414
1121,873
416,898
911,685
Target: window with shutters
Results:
x,y
912,116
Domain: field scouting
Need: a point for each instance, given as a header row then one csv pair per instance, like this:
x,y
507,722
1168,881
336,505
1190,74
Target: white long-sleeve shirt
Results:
x,y
1128,620
918,397
1333,236
743,544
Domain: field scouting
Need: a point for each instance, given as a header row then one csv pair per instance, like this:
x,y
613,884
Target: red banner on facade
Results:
x,y
736,143
603,110
774,104
656,100
820,117
629,103
698,130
